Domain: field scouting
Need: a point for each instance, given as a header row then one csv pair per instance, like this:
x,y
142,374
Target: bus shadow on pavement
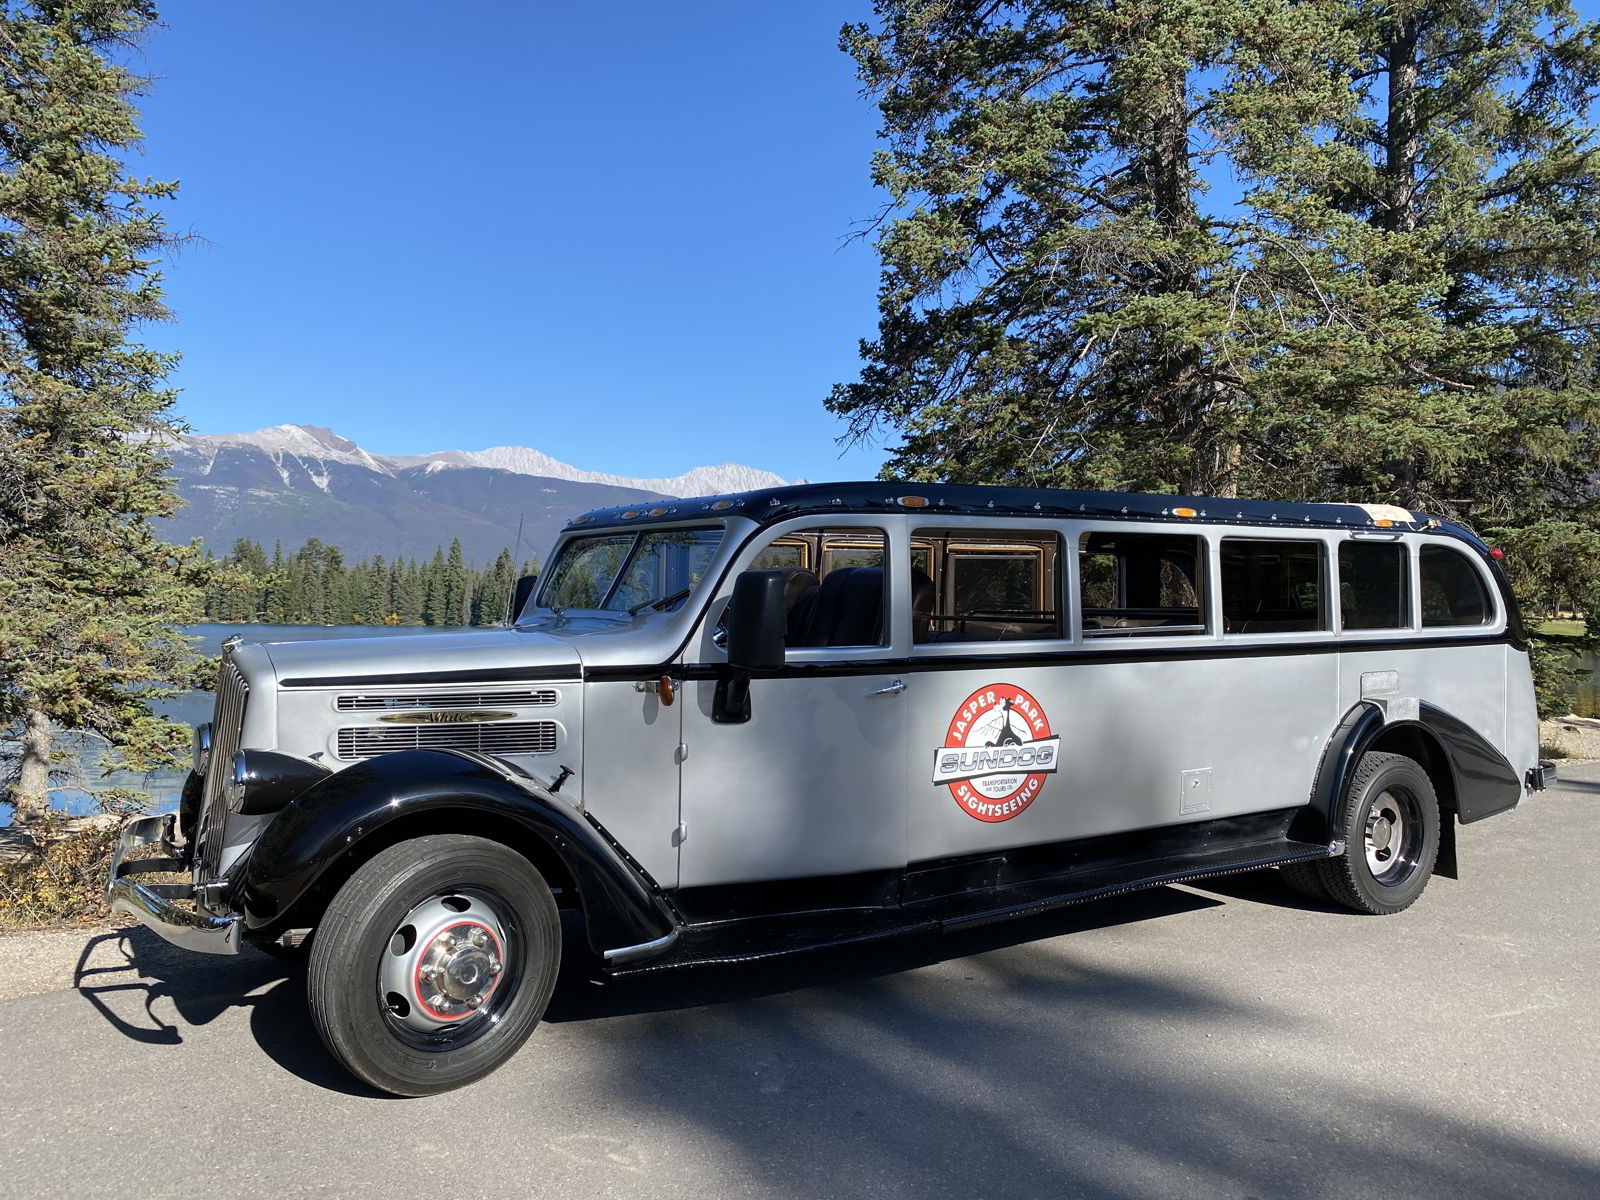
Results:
x,y
151,992
579,996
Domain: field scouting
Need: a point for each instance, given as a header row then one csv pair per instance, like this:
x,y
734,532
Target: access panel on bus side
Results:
x,y
1156,713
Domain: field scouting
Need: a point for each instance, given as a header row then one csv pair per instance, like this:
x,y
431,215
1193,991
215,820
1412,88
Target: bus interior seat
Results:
x,y
848,609
799,598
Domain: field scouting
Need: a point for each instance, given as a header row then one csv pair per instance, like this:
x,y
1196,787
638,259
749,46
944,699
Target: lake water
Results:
x,y
1586,700
195,707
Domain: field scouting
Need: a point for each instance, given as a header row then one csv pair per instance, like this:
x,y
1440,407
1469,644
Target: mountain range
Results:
x,y
288,483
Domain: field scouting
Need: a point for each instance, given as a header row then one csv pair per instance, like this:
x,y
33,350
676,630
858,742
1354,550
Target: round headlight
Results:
x,y
202,748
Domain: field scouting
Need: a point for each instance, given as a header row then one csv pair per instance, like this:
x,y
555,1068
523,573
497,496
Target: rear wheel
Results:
x,y
1391,838
434,963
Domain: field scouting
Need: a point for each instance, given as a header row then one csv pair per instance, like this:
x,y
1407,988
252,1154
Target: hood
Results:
x,y
422,658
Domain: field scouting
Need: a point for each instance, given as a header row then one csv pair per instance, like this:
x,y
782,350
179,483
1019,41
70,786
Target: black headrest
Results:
x,y
799,600
860,621
796,581
824,613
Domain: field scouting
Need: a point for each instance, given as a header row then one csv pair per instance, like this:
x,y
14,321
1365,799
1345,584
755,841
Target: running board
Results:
x,y
753,939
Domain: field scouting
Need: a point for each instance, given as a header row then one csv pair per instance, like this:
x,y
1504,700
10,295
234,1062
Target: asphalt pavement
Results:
x,y
1221,1041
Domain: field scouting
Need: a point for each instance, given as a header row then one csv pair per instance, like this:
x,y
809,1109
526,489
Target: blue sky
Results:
x,y
614,232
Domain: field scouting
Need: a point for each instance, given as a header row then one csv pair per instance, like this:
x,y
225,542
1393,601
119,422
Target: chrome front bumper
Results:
x,y
146,846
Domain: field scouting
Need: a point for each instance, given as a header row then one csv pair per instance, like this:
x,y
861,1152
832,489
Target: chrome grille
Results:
x,y
505,737
524,697
226,724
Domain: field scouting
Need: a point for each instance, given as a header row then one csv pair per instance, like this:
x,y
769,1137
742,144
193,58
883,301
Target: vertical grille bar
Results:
x,y
226,727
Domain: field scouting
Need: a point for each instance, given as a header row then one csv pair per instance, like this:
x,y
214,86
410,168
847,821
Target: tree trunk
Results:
x,y
1403,143
30,797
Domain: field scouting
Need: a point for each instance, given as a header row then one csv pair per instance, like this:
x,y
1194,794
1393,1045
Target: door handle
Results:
x,y
893,689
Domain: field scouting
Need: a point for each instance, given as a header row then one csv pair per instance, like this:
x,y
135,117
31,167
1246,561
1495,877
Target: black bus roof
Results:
x,y
768,505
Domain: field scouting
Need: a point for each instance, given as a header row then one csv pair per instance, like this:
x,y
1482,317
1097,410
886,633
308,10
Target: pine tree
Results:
x,y
88,592
1400,307
454,598
435,600
493,599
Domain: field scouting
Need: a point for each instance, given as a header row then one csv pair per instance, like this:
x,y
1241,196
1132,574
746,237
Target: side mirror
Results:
x,y
756,618
757,615
522,594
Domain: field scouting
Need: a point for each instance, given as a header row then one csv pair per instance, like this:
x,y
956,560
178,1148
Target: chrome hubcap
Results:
x,y
444,962
1388,831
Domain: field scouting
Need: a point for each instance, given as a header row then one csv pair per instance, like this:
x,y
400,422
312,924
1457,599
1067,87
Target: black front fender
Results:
x,y
369,803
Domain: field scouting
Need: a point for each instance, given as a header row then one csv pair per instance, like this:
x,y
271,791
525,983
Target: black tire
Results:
x,y
1305,879
1386,872
363,934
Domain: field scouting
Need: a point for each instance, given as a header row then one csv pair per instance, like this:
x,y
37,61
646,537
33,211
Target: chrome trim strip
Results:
x,y
144,841
630,954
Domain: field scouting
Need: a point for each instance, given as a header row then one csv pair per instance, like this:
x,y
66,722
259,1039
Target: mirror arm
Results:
x,y
730,705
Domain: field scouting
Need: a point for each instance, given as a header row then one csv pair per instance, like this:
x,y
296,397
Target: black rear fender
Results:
x,y
1472,779
315,843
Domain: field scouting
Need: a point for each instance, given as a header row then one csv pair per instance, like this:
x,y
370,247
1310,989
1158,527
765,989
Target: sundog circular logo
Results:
x,y
997,752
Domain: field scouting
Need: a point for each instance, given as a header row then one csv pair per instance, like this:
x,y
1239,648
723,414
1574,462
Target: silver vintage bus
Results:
x,y
733,727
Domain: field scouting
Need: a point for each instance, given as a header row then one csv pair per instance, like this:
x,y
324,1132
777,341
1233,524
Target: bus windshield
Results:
x,y
629,572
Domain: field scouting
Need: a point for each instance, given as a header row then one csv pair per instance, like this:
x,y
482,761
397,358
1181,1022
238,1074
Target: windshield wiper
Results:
x,y
660,602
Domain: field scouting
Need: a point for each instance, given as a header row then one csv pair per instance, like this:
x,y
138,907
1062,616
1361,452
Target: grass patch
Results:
x,y
1562,627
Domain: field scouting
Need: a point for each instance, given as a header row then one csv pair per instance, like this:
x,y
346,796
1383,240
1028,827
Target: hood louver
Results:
x,y
389,702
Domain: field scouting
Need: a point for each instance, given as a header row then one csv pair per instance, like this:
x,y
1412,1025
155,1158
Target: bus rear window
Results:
x,y
1271,586
1452,591
1373,578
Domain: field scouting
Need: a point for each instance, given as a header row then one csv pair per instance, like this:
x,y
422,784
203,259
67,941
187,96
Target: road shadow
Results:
x,y
581,995
151,992
131,976
1028,1071
1262,887
1584,787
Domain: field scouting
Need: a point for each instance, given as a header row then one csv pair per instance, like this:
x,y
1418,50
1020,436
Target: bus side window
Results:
x,y
1452,592
1374,585
1272,586
834,585
983,585
785,553
1140,584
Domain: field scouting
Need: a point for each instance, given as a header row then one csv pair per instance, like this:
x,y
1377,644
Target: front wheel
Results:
x,y
434,963
1391,839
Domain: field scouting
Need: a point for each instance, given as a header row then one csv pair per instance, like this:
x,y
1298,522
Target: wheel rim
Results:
x,y
449,969
1394,833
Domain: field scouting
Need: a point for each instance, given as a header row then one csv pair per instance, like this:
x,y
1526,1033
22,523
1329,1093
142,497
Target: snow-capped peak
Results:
x,y
302,441
316,443
521,460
